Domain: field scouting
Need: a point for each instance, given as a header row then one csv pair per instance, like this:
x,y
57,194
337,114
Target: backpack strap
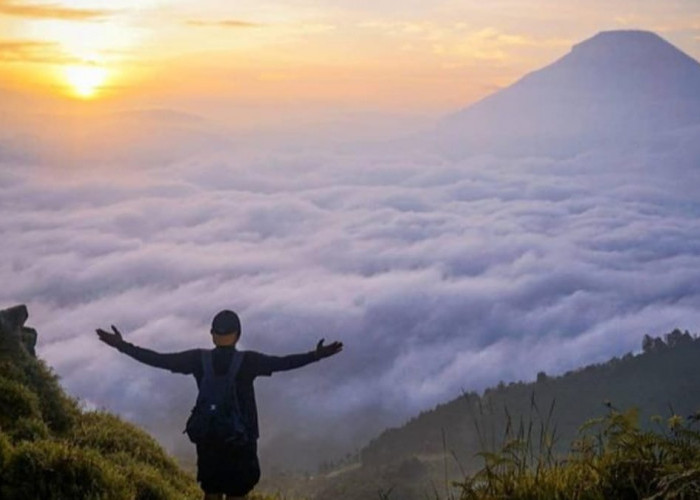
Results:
x,y
235,366
207,364
231,374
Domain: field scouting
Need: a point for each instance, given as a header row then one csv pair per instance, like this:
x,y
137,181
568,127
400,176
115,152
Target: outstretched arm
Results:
x,y
267,365
177,362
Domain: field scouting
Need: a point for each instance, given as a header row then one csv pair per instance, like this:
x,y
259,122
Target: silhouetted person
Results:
x,y
229,469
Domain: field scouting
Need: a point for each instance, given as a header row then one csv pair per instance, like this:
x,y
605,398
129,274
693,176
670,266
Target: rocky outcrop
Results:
x,y
12,326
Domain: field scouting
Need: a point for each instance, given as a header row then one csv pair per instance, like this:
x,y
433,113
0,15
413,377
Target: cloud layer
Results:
x,y
439,275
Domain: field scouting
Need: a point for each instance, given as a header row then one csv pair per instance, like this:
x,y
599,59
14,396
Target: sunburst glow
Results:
x,y
85,81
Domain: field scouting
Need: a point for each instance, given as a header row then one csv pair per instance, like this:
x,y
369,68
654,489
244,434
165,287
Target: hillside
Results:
x,y
51,449
413,461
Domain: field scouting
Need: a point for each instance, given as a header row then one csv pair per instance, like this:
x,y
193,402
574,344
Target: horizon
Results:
x,y
296,60
443,259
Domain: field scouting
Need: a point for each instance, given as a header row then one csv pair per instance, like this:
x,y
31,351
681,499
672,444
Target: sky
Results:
x,y
133,193
410,57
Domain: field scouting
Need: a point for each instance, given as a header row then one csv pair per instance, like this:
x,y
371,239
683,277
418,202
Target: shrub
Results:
x,y
16,402
110,435
54,470
140,459
29,429
618,460
59,410
5,452
49,449
151,485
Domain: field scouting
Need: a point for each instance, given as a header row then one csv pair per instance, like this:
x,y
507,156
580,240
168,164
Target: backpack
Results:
x,y
217,414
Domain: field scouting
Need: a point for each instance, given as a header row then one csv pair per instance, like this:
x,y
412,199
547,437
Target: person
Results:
x,y
225,469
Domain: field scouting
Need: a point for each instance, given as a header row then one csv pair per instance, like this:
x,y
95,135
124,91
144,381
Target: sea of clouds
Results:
x,y
439,275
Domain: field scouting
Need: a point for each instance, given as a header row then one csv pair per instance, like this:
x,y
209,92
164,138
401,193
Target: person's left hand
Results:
x,y
324,351
111,339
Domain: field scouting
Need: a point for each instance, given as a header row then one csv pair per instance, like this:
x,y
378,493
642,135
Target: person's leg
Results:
x,y
242,470
208,458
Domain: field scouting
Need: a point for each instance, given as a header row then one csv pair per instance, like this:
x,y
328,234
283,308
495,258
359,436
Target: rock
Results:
x,y
12,325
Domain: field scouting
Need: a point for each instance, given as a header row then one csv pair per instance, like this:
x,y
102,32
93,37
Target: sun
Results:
x,y
85,81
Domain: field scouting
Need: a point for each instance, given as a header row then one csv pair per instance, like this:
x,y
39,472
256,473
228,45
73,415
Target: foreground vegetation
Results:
x,y
423,458
52,450
614,458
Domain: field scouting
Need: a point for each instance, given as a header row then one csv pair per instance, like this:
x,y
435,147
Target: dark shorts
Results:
x,y
225,468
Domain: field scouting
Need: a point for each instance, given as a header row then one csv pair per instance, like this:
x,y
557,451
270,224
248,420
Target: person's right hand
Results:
x,y
111,339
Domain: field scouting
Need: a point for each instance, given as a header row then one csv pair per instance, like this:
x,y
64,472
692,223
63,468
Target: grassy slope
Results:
x,y
613,459
51,450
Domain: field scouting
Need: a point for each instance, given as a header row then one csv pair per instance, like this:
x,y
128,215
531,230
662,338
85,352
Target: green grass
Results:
x,y
51,450
614,458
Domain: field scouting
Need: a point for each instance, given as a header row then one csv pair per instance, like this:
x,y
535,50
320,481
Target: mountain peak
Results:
x,y
629,47
615,86
620,37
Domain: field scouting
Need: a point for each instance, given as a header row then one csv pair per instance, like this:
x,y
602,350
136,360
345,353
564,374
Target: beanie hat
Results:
x,y
226,322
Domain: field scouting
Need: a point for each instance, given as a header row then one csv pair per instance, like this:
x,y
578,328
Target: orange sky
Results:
x,y
409,56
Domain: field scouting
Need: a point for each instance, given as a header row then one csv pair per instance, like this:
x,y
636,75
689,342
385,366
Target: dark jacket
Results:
x,y
254,365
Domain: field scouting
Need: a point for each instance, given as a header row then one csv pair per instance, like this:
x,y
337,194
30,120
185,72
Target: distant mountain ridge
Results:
x,y
615,87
